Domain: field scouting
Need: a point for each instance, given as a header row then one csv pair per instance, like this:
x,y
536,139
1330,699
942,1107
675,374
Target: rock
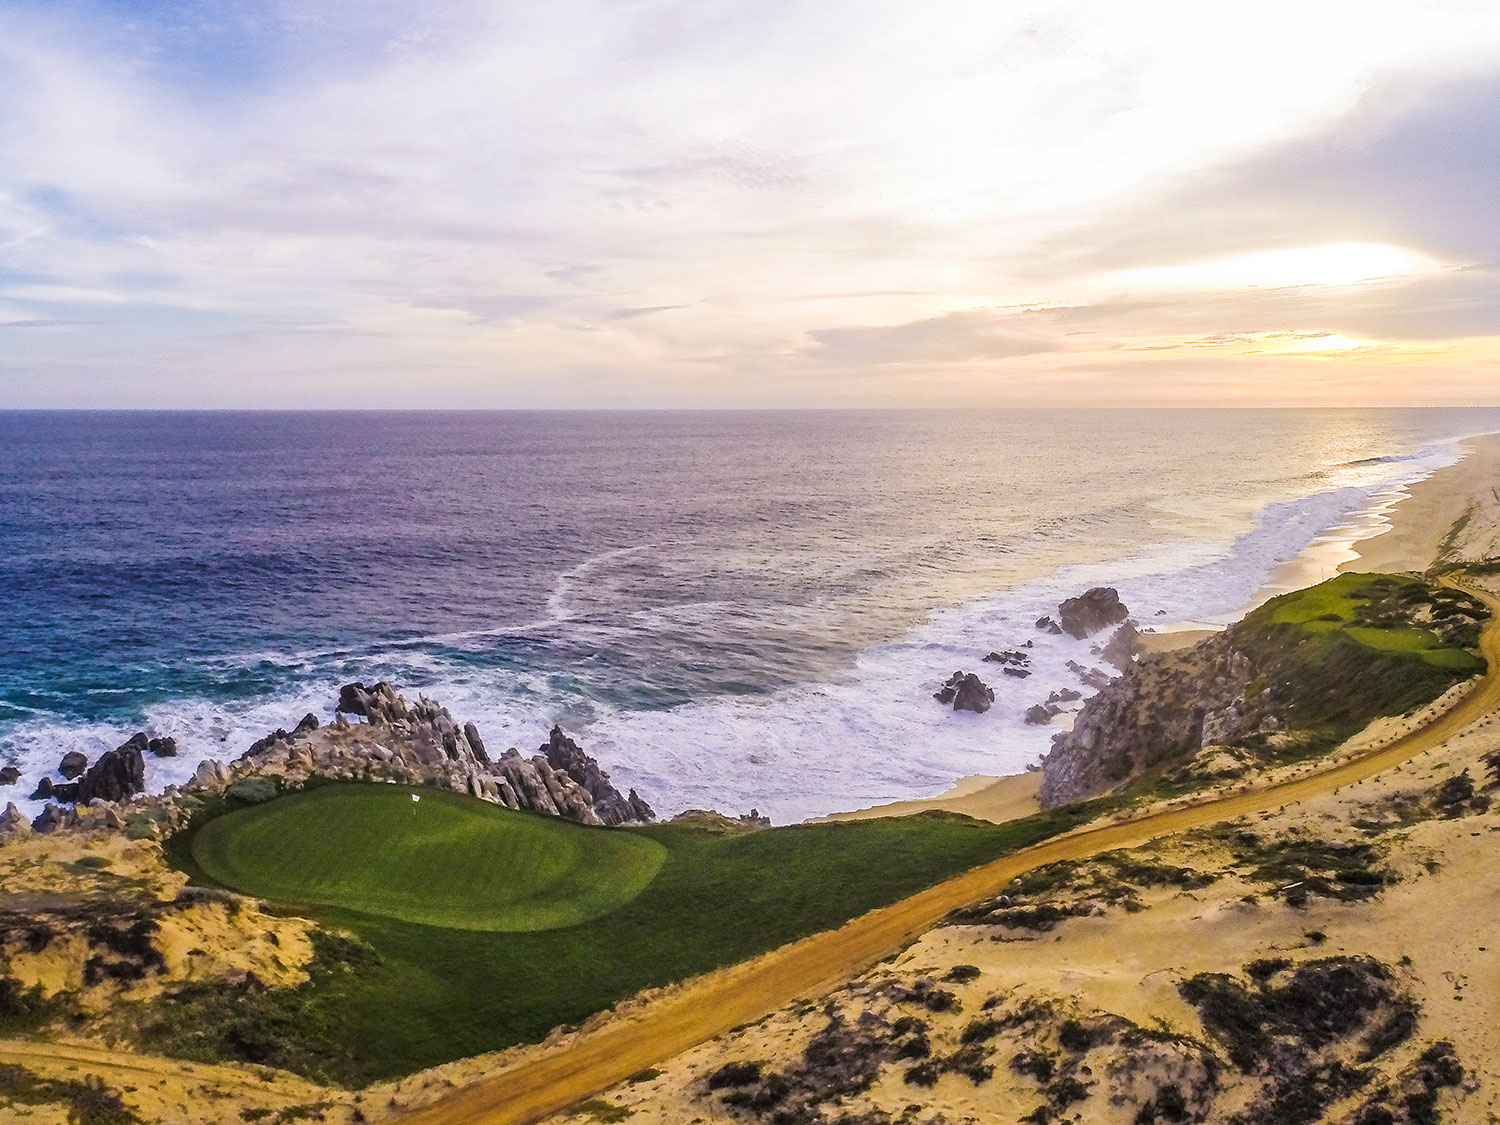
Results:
x,y
43,790
164,747
209,774
967,692
13,822
1092,677
307,725
73,763
476,744
1122,647
1047,625
1018,673
639,809
1010,657
1041,714
1066,695
563,754
379,703
9,775
53,817
1091,611
118,774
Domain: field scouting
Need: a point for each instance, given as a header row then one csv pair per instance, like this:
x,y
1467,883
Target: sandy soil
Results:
x,y
996,799
1451,517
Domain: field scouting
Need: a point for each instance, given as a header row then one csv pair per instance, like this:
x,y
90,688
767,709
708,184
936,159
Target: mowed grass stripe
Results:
x,y
445,860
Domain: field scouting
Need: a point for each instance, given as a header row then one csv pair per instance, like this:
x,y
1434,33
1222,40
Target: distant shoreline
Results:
x,y
1405,530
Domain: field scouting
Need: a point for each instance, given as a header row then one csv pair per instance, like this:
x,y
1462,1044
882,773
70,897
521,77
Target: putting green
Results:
x,y
444,860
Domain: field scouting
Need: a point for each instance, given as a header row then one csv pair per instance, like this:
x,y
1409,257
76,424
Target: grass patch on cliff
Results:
x,y
1359,646
439,859
426,994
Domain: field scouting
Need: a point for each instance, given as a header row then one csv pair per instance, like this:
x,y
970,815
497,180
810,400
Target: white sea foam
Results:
x,y
871,734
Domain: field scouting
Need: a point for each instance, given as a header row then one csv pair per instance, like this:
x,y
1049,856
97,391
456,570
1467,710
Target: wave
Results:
x,y
869,734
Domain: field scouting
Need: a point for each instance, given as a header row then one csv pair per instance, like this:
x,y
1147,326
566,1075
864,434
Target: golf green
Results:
x,y
439,860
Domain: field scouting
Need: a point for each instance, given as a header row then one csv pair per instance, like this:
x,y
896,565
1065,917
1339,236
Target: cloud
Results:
x,y
952,337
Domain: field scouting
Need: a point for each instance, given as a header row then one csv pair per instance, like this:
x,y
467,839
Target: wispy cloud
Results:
x,y
735,203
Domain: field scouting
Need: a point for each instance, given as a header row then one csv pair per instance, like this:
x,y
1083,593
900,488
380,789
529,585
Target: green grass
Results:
x,y
444,860
1343,605
408,995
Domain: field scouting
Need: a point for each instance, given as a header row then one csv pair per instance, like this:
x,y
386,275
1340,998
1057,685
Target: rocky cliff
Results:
x,y
1294,677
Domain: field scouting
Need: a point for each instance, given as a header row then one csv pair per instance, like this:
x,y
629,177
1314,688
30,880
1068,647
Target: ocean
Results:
x,y
728,609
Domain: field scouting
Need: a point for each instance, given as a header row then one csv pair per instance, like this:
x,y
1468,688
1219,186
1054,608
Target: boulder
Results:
x,y
9,775
1018,673
1047,625
967,692
73,763
308,724
53,817
1041,714
209,774
164,747
118,774
13,822
43,789
1091,611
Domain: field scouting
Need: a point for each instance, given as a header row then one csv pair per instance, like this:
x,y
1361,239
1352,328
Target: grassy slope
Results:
x,y
441,861
432,994
1345,651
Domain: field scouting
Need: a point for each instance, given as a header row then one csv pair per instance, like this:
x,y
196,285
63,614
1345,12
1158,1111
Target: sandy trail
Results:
x,y
722,1001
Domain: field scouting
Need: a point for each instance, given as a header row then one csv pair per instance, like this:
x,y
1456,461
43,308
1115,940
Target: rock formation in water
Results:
x,y
1091,611
967,692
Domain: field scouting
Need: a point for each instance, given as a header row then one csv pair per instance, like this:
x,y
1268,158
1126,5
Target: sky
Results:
x,y
629,203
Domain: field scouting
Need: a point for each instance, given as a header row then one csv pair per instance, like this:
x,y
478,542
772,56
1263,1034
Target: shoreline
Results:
x,y
1405,528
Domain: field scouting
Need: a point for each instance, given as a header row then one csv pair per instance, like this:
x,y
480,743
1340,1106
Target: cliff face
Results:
x,y
1297,675
1162,708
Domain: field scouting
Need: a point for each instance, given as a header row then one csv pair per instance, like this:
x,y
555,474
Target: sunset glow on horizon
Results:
x,y
294,203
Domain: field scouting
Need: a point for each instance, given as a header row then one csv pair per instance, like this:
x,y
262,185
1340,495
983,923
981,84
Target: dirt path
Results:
x,y
721,1001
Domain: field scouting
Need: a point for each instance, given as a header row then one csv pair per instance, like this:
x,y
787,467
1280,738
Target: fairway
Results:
x,y
445,860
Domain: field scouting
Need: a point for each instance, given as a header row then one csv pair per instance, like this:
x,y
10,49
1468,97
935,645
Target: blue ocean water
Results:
x,y
729,609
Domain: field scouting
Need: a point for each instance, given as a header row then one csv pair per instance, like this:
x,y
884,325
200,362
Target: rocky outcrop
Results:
x,y
1155,711
610,806
1091,611
422,744
967,692
165,747
1123,646
13,822
117,774
9,775
73,763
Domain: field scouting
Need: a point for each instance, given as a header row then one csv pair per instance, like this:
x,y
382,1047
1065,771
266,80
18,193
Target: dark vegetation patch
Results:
x,y
1298,867
842,1059
1040,899
1307,1007
1413,1097
276,1027
27,1010
89,1101
1303,1094
433,994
